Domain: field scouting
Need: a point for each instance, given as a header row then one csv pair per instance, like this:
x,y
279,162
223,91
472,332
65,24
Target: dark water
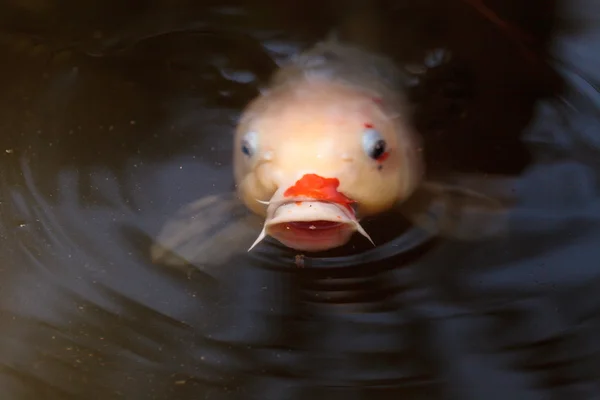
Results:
x,y
115,114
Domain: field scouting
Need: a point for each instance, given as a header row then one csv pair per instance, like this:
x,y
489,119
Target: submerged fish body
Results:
x,y
330,141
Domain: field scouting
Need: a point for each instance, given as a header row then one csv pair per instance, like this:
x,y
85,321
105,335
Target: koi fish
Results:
x,y
328,143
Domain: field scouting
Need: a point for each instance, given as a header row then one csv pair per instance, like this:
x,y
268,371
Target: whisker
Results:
x,y
361,230
261,236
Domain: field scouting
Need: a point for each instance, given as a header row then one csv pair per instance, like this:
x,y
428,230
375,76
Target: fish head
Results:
x,y
314,157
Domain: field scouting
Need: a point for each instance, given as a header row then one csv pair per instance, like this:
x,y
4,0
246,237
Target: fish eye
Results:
x,y
249,143
374,144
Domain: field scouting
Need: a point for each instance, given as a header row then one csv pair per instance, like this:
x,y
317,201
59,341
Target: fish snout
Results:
x,y
311,215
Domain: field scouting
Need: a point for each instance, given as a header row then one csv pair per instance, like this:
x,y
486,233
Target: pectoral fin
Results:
x,y
206,232
467,208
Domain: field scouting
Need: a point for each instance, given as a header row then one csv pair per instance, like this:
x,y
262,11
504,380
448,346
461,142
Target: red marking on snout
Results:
x,y
368,125
377,100
319,188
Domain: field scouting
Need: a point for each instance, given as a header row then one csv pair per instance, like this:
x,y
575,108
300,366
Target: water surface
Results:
x,y
114,116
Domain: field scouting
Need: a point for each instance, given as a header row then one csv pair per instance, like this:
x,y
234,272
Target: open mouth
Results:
x,y
311,235
311,225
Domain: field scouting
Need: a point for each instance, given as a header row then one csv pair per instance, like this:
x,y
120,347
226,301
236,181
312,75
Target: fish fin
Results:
x,y
206,232
469,208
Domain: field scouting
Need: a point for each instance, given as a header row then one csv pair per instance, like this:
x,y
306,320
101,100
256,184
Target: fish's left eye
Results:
x,y
374,144
249,143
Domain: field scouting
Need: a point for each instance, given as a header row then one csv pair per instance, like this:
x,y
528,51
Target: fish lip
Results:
x,y
281,227
302,232
348,212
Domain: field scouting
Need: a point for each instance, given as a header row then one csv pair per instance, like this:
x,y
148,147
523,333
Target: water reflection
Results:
x,y
105,136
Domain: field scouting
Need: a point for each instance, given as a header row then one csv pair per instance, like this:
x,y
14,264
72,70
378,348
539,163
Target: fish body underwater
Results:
x,y
327,143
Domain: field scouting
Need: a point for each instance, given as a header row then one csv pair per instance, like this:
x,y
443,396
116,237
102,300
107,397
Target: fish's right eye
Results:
x,y
374,144
249,143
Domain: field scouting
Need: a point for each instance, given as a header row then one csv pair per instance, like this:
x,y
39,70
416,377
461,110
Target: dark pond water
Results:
x,y
115,114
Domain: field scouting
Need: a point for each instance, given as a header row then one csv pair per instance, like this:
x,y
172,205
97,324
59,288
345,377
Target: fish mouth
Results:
x,y
310,225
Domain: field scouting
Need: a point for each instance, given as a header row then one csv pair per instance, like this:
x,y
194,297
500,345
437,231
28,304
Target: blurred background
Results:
x,y
114,114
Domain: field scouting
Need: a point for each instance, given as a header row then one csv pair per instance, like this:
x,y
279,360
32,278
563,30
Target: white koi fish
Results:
x,y
328,143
